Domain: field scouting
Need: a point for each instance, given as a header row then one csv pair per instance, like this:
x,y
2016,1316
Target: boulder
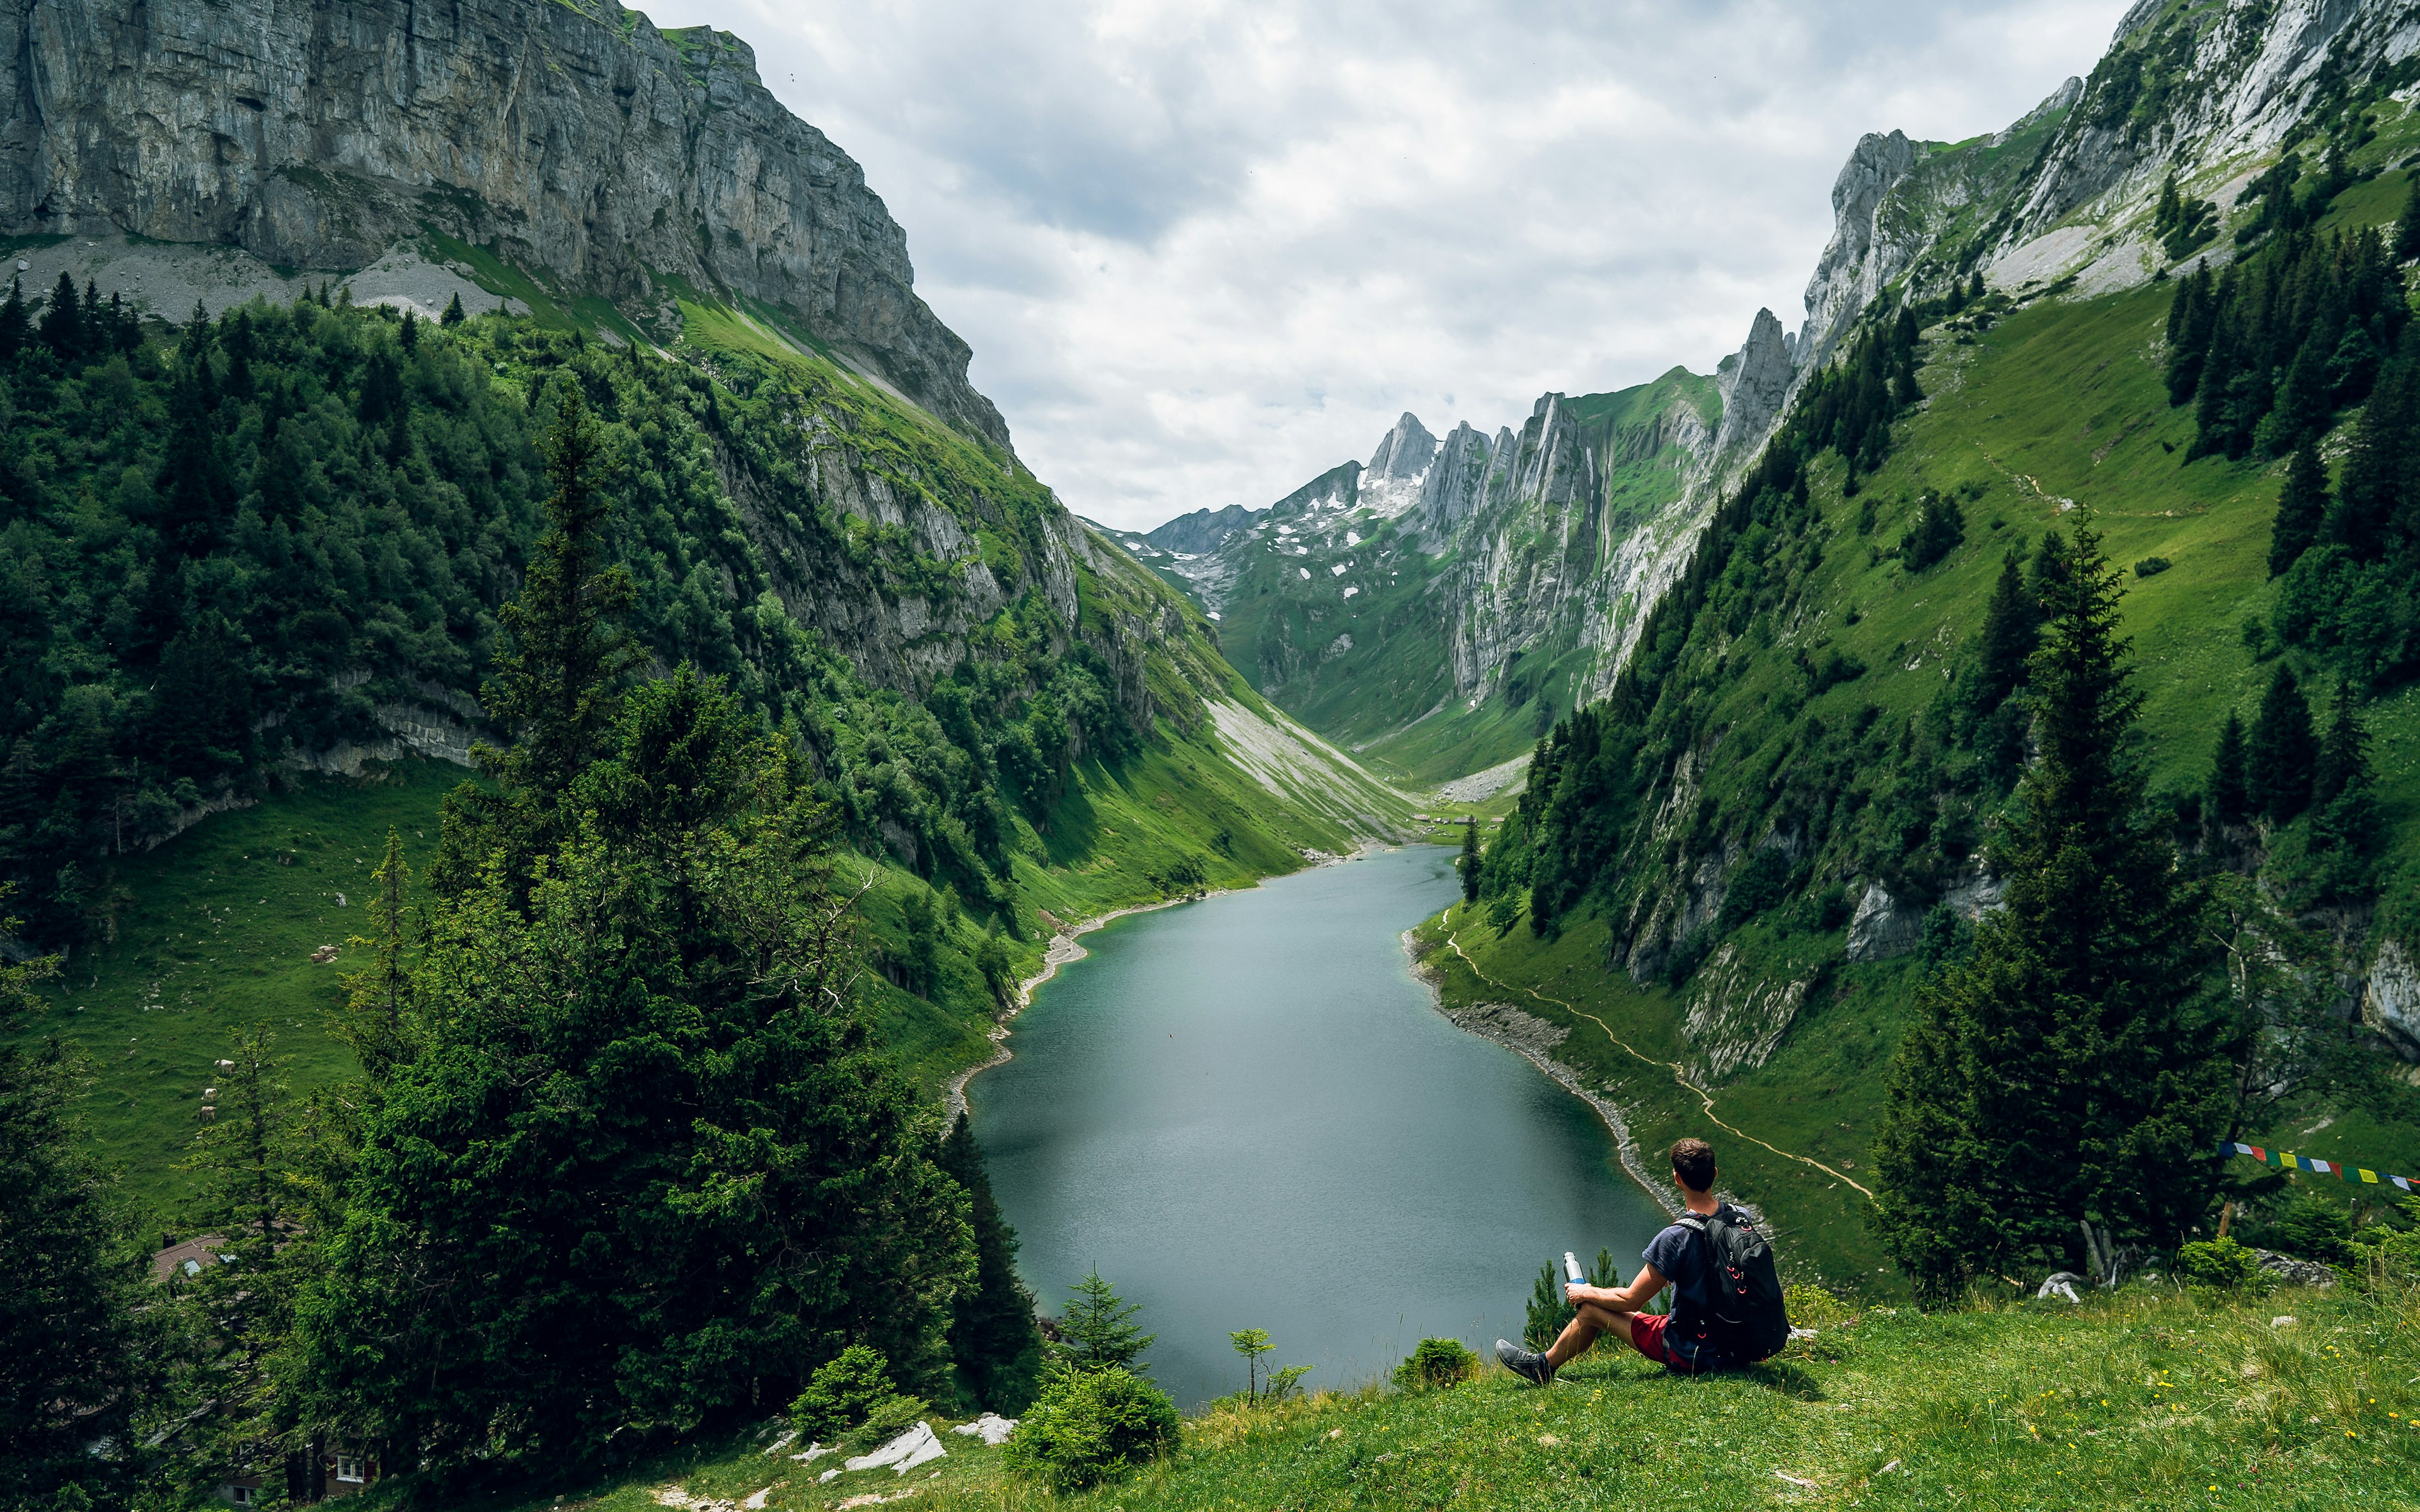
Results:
x,y
1881,927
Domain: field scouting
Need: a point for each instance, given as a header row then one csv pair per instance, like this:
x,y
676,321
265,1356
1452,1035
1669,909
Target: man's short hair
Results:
x,y
1693,1162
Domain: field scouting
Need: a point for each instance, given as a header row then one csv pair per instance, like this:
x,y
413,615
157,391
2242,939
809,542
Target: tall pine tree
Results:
x,y
2011,627
2277,766
556,683
994,1340
2302,508
2229,801
72,1319
15,329
1471,862
2071,1070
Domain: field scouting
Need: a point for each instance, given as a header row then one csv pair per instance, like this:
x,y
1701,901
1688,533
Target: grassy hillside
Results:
x,y
1816,692
2150,1398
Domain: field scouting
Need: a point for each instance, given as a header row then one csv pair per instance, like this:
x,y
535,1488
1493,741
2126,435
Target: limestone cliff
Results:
x,y
603,158
1457,590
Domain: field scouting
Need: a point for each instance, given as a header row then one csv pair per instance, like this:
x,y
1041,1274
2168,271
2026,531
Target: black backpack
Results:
x,y
1748,1322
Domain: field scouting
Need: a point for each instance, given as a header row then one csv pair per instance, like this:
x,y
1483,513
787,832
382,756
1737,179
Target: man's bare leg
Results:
x,y
1591,1320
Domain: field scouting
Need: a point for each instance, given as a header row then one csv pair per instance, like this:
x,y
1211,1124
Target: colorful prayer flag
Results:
x,y
2372,1177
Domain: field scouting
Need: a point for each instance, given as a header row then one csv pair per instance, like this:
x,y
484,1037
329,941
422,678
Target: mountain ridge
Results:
x,y
614,164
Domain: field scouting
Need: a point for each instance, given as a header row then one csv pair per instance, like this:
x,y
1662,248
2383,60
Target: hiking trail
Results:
x,y
1678,1075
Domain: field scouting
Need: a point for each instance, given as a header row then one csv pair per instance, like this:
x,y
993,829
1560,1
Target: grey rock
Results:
x,y
2290,1271
596,152
2390,1000
1881,927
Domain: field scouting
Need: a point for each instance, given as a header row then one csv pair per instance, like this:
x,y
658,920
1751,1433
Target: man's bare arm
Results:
x,y
1629,1299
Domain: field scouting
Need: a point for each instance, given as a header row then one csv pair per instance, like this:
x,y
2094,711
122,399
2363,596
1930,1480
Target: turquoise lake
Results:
x,y
1248,1113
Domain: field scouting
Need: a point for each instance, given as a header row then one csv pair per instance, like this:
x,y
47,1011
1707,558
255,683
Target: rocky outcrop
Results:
x,y
2390,1002
1882,928
599,155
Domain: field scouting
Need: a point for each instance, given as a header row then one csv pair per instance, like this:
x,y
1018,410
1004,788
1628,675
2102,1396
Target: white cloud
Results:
x,y
1205,251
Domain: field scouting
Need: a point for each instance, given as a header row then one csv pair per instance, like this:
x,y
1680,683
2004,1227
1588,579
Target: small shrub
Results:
x,y
886,1419
2152,566
2308,1226
841,1394
2221,1265
1811,1307
1436,1363
1090,1427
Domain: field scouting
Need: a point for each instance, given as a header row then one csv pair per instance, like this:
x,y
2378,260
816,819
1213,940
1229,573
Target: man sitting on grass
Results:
x,y
1681,1257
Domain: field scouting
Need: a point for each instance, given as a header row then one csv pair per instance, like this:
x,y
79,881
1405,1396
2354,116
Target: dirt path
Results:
x,y
1678,1075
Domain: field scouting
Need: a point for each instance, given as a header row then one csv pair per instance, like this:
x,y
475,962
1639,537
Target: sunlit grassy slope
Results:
x,y
2060,406
2146,1399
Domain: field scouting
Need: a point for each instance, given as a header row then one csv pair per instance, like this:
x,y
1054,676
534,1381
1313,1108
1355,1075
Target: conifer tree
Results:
x,y
2342,764
15,329
640,1088
2011,627
2406,230
1471,862
1098,1330
2302,508
2376,479
2277,764
2072,1068
63,320
994,1340
2228,800
198,496
71,1334
555,684
377,997
452,316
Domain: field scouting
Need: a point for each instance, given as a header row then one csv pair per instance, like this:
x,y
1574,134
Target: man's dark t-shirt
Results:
x,y
1678,1256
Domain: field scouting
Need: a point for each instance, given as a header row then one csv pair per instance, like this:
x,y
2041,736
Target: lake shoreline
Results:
x,y
1065,949
1509,1029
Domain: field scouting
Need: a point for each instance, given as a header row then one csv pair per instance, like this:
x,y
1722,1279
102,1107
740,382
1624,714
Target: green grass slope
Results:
x,y
2056,404
2148,1399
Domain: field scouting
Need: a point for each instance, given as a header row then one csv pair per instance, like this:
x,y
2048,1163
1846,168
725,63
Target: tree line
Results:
x,y
624,1162
229,542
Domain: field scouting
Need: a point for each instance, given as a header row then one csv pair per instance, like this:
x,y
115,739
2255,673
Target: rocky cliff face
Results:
x,y
1472,578
602,158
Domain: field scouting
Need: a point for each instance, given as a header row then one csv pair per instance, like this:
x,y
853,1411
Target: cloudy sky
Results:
x,y
1206,249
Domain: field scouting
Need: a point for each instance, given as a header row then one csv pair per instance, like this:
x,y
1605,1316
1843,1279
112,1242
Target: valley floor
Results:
x,y
2150,1398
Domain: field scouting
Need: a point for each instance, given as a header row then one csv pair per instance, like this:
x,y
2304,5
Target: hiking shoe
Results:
x,y
1528,1364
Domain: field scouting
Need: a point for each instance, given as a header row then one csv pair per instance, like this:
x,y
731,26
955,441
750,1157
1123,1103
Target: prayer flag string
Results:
x,y
2285,1160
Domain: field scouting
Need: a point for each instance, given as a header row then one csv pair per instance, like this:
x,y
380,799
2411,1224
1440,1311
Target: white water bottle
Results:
x,y
1571,1272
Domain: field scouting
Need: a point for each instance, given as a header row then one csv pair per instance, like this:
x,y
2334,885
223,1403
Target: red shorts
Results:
x,y
1646,1337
